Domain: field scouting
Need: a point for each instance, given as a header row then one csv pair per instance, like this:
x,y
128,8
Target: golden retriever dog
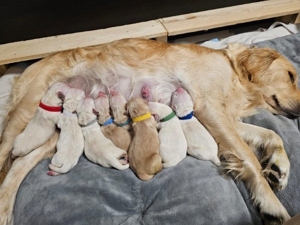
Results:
x,y
118,105
143,153
70,144
119,136
97,148
200,144
173,144
225,86
43,125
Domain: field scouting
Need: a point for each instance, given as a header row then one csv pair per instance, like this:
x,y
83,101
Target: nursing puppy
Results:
x,y
43,124
97,147
118,105
155,91
70,143
119,136
173,145
200,144
143,153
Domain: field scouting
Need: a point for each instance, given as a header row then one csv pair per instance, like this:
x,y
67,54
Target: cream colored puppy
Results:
x,y
201,144
70,143
118,105
119,136
143,153
173,145
97,147
43,124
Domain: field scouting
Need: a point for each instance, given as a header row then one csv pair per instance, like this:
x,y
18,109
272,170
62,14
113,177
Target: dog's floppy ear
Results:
x,y
61,95
95,112
255,61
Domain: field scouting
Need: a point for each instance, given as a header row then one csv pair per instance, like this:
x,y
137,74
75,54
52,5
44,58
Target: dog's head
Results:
x,y
137,107
85,111
102,107
72,98
118,105
181,102
275,77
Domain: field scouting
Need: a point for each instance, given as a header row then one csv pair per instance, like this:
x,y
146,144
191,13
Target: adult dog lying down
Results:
x,y
225,86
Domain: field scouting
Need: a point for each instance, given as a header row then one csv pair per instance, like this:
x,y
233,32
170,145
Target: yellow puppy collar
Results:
x,y
141,118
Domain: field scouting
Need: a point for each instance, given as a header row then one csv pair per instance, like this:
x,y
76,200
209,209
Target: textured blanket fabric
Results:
x,y
193,192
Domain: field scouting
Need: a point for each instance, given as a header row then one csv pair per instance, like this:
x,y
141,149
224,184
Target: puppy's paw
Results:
x,y
276,169
52,173
123,159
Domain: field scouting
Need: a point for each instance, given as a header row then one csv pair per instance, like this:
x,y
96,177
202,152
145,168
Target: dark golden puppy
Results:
x,y
143,154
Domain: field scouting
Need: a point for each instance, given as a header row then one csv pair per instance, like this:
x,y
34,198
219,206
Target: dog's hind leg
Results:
x,y
17,173
269,149
242,162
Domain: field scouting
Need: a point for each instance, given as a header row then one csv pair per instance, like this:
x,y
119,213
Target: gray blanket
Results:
x,y
193,192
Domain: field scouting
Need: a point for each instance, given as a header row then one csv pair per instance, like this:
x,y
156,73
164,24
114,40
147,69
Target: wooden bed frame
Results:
x,y
160,29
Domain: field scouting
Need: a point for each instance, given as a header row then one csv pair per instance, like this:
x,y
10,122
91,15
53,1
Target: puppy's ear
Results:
x,y
60,95
174,107
255,61
156,117
95,112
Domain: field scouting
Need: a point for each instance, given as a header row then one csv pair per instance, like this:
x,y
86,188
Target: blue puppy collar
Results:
x,y
127,122
110,121
187,117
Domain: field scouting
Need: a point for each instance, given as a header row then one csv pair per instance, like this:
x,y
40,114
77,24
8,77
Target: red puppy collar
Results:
x,y
50,108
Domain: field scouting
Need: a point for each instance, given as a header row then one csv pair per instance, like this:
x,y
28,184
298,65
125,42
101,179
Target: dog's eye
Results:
x,y
292,77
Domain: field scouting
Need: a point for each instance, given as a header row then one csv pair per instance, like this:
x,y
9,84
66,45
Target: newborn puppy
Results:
x,y
173,145
43,124
97,147
119,136
201,144
144,158
118,107
70,143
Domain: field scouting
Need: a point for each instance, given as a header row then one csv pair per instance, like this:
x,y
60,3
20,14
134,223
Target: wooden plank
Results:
x,y
206,20
39,48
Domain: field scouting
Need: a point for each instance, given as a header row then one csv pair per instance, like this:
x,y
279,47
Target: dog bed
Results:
x,y
192,192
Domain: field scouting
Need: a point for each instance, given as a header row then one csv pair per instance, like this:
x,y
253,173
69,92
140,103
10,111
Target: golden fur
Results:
x,y
225,86
143,153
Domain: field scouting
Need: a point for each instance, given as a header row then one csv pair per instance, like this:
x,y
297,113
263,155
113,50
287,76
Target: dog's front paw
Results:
x,y
276,169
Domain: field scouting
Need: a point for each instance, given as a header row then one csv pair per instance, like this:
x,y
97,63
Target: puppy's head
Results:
x,y
181,102
275,77
85,111
72,98
137,107
118,105
102,107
